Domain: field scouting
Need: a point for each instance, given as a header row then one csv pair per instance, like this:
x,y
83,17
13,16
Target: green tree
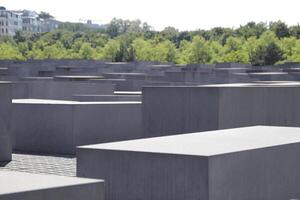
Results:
x,y
10,52
164,52
280,29
199,51
86,51
111,50
235,51
142,49
267,51
295,31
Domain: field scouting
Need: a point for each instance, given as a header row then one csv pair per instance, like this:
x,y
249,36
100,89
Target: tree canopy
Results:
x,y
125,40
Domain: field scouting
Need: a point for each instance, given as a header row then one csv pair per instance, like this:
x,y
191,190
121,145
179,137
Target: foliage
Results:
x,y
125,40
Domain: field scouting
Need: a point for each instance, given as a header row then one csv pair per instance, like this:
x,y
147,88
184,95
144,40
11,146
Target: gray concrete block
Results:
x,y
59,126
58,90
107,97
23,186
5,120
176,110
230,164
43,126
270,76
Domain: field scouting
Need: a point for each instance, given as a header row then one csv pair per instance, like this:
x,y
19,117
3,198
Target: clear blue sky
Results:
x,y
182,14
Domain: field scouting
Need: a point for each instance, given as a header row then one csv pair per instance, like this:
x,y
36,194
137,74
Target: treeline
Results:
x,y
124,40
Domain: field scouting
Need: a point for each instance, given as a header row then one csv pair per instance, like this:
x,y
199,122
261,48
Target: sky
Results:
x,y
181,14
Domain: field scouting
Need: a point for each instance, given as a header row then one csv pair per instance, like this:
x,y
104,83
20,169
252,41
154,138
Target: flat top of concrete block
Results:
x,y
37,78
231,68
117,63
16,182
79,77
209,143
74,67
286,84
275,82
105,79
256,84
160,66
268,73
229,85
62,102
128,92
104,95
203,86
125,73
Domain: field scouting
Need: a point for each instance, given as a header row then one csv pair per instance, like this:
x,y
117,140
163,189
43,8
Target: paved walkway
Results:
x,y
41,164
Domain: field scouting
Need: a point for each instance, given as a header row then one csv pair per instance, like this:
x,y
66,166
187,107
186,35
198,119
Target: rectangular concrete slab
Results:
x,y
177,110
209,143
245,163
5,120
55,126
62,90
25,186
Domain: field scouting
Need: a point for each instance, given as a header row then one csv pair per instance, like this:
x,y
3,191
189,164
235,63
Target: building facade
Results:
x,y
10,22
31,22
49,25
24,20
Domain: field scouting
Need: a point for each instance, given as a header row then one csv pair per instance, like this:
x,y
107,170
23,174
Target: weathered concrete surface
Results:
x,y
5,120
176,110
87,97
49,126
24,186
230,164
58,90
107,122
59,126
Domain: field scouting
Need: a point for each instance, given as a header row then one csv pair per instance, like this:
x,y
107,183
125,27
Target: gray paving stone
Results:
x,y
41,164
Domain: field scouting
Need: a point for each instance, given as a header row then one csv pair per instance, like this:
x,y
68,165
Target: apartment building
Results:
x,y
31,22
10,22
24,20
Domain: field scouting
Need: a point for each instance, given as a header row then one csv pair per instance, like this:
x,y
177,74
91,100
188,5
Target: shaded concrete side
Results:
x,y
262,174
282,106
247,106
242,106
43,128
145,176
175,110
5,122
106,123
59,90
107,97
91,191
59,128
